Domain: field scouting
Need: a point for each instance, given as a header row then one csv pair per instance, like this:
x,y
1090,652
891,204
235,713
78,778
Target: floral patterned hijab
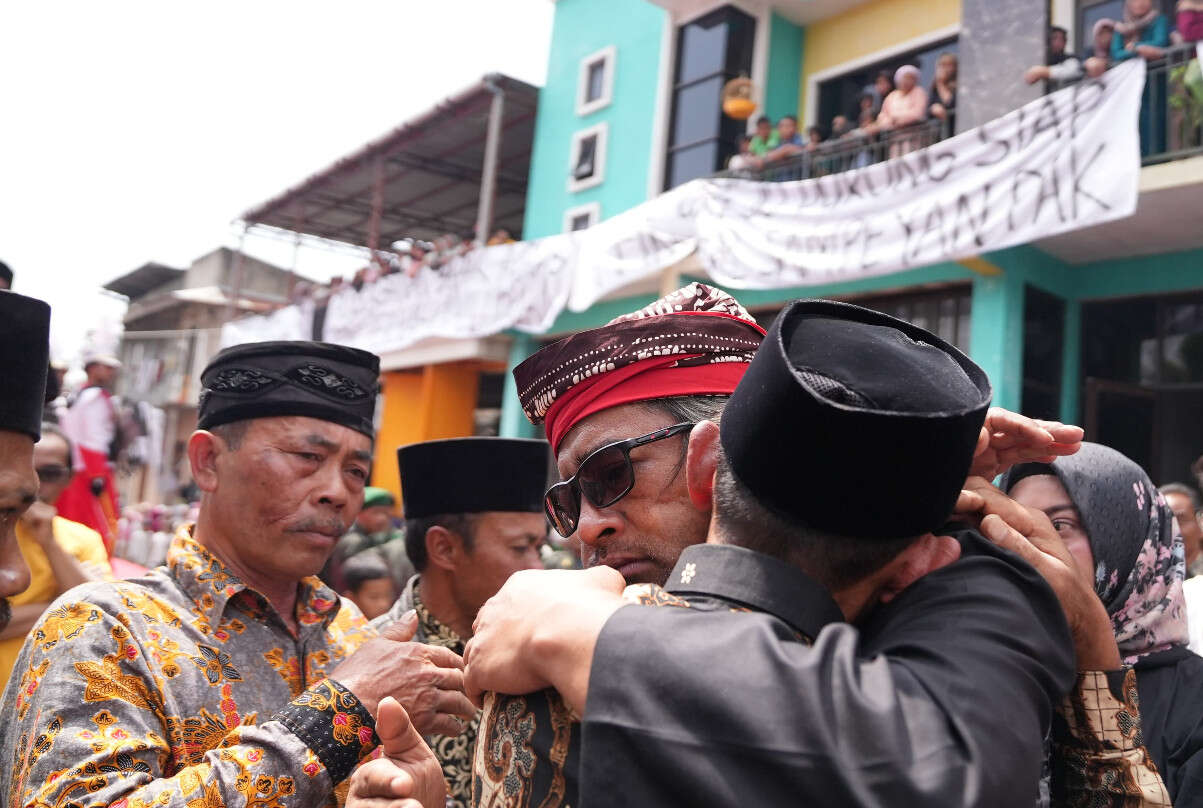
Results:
x,y
1138,552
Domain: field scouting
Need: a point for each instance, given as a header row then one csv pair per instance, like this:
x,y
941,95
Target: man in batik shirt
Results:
x,y
230,676
474,516
24,350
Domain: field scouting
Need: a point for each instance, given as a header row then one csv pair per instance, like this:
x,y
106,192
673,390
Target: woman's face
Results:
x,y
946,69
906,82
1045,493
1138,8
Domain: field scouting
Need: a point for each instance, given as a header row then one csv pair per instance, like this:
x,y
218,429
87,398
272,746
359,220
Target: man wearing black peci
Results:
x,y
831,648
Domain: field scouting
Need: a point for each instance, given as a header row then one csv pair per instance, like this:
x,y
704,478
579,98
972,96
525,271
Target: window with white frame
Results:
x,y
595,86
588,167
581,217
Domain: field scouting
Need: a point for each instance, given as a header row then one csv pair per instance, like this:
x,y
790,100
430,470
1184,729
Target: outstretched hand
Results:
x,y
1008,438
428,680
408,776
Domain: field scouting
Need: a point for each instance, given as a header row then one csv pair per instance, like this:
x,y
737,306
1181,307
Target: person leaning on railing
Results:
x,y
905,106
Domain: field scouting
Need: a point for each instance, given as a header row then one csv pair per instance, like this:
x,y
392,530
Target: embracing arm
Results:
x,y
708,698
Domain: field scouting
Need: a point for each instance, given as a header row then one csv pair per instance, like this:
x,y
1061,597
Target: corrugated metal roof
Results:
x,y
432,173
144,279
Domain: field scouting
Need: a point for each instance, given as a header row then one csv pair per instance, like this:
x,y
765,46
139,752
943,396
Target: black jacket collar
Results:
x,y
756,581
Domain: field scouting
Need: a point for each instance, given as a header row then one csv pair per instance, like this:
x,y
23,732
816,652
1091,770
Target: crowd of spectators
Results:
x,y
896,115
1142,32
409,257
890,121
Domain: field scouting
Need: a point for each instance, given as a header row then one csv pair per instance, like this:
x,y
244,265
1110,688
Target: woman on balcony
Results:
x,y
1145,32
906,106
944,93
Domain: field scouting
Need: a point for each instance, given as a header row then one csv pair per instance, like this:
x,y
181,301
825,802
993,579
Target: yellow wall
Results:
x,y
436,401
870,28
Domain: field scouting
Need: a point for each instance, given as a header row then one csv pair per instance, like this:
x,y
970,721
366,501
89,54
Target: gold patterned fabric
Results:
x,y
454,753
183,689
1099,756
530,745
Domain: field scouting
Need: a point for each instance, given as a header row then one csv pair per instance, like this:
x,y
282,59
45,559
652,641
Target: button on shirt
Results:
x,y
183,688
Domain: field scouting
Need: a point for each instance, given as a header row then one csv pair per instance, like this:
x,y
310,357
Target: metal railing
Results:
x,y
1171,128
1171,109
854,150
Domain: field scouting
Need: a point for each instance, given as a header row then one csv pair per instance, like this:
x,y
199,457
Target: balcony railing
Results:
x,y
1171,128
848,152
1171,110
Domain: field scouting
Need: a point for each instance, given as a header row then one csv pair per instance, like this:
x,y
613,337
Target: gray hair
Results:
x,y
1184,490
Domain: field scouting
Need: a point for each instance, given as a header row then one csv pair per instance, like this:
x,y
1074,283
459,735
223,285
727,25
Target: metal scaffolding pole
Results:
x,y
488,174
237,273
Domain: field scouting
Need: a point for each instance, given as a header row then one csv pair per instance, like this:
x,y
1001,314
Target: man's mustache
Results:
x,y
329,527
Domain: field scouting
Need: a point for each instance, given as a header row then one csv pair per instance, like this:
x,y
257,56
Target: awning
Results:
x,y
426,174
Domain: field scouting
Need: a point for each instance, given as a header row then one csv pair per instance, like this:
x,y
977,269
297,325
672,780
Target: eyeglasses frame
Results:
x,y
625,446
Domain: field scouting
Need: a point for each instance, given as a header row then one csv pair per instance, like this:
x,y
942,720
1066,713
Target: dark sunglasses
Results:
x,y
604,477
53,474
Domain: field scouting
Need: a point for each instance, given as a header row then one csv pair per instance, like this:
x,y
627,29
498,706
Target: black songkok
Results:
x,y
855,423
24,360
473,475
268,379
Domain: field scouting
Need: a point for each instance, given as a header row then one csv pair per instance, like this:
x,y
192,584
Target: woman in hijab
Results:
x,y
1115,522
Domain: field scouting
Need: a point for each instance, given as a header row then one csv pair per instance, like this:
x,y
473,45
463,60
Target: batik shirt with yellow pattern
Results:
x,y
183,689
454,752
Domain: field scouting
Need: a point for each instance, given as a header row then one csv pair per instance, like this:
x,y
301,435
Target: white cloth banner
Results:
x,y
289,323
1067,160
522,285
1064,161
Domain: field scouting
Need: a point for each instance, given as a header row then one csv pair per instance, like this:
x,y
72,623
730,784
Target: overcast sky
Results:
x,y
138,131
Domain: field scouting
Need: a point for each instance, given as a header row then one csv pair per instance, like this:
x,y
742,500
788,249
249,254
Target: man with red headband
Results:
x,y
617,403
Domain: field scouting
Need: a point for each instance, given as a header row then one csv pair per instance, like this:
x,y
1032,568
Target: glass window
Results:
x,y
841,95
579,222
695,117
596,82
586,158
711,51
688,164
702,48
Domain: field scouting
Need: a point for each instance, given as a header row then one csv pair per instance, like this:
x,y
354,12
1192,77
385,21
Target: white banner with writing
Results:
x,y
1067,160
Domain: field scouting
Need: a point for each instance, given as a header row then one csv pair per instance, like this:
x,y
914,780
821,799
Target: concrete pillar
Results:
x,y
999,40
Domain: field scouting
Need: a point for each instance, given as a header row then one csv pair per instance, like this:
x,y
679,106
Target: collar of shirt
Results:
x,y
431,630
756,581
211,585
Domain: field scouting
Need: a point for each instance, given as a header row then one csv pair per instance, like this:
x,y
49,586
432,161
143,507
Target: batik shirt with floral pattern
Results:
x,y
453,752
183,689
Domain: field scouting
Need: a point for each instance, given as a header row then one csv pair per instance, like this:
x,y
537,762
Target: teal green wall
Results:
x,y
580,28
783,85
513,420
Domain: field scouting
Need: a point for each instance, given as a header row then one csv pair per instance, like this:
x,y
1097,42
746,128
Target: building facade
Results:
x,y
1101,327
